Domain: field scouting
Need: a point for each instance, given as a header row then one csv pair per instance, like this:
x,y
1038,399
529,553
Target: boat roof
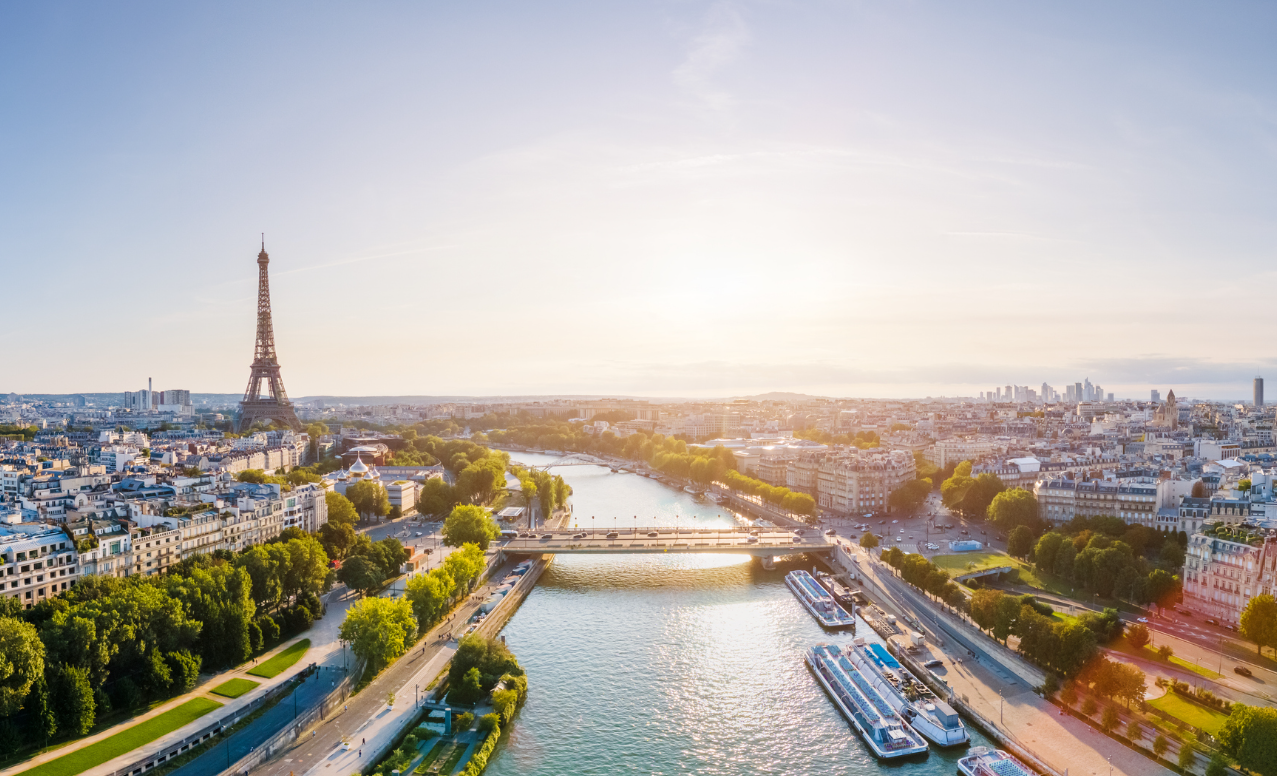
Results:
x,y
884,657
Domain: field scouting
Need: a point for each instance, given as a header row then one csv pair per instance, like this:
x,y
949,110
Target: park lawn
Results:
x,y
276,665
1067,619
430,757
450,765
967,562
235,687
125,741
1198,716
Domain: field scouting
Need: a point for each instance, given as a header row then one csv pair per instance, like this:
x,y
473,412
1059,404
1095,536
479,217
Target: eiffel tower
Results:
x,y
275,407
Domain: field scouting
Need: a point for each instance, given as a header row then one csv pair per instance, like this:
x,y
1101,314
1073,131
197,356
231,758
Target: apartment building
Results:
x,y
1136,500
37,560
947,452
307,508
855,483
1225,566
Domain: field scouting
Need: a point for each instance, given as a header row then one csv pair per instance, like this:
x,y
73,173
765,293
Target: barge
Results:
x,y
912,699
885,732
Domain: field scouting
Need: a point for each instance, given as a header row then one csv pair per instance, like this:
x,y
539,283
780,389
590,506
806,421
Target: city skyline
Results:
x,y
709,199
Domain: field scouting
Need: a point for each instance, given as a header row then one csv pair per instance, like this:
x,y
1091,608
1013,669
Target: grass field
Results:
x,y
235,687
967,562
1198,716
125,741
273,667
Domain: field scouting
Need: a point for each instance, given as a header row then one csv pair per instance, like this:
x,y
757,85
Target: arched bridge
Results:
x,y
733,541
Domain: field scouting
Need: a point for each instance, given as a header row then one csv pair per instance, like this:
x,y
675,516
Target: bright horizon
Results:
x,y
661,199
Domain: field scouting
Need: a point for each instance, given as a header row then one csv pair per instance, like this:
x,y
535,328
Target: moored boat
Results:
x,y
912,699
983,761
818,601
886,733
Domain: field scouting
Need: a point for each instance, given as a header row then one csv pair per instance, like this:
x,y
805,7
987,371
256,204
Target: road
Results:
x,y
1001,695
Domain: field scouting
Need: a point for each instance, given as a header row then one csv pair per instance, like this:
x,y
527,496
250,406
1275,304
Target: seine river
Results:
x,y
673,664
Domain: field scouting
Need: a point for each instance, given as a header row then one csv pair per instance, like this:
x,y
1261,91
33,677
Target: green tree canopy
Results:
x,y
1011,508
21,662
379,629
910,496
369,498
340,510
470,524
868,541
1259,621
360,573
1020,540
1249,736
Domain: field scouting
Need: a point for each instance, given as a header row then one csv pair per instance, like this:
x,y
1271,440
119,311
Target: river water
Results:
x,y
685,664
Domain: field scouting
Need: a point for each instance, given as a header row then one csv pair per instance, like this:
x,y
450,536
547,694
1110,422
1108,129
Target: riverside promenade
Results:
x,y
996,685
367,722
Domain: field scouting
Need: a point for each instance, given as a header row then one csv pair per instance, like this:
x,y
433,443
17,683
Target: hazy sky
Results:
x,y
662,198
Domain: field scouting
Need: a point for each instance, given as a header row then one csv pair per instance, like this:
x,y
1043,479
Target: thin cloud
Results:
x,y
717,46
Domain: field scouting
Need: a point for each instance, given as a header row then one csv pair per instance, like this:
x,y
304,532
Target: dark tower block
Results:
x,y
265,369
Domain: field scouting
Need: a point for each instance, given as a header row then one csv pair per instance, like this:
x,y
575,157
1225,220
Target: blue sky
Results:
x,y
669,198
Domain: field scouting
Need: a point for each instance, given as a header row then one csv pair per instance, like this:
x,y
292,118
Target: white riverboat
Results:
x,y
983,761
912,699
887,735
818,601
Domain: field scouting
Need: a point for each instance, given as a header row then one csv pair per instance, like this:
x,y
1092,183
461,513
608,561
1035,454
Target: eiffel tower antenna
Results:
x,y
265,368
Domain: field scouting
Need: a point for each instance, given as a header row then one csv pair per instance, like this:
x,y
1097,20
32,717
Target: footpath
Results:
x,y
997,688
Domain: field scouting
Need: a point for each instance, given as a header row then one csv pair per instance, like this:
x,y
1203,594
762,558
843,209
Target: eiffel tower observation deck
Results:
x,y
264,374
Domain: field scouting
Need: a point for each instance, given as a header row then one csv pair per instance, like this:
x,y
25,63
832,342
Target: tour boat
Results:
x,y
818,601
887,735
912,699
983,761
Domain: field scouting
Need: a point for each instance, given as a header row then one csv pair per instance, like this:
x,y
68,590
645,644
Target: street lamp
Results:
x,y
591,526
636,526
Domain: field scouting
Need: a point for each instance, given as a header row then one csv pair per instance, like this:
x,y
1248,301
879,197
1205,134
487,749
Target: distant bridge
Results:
x,y
734,541
572,459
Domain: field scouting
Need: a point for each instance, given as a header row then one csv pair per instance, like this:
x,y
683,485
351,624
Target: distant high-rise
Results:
x,y
1088,392
1077,392
1155,396
1259,391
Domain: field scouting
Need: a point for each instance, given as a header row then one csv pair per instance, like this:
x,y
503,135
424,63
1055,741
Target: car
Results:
x,y
882,522
579,536
1242,671
419,533
897,540
910,538
933,664
613,535
754,532
1142,619
893,522
1184,612
1210,621
831,532
525,535
752,540
652,534
966,533
984,533
547,536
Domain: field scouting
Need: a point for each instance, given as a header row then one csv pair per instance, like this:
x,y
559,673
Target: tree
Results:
x,y
469,690
1134,730
72,698
305,567
360,573
1259,621
979,497
21,662
1160,745
40,715
1217,766
262,564
340,509
1013,508
1249,736
910,496
337,537
429,594
868,541
1137,635
1161,587
1068,696
469,524
1187,755
1020,541
369,498
1045,550
379,629
464,566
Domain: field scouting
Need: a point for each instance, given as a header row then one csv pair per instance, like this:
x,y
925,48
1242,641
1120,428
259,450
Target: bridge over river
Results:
x,y
733,541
